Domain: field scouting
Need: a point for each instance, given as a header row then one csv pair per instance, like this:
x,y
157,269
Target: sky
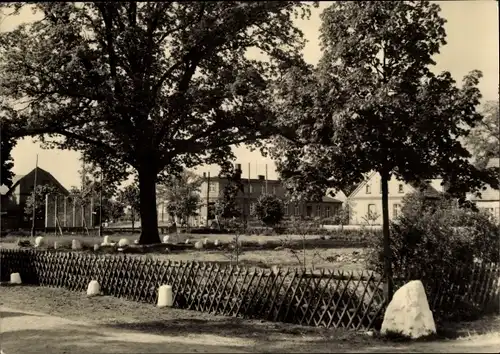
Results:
x,y
472,43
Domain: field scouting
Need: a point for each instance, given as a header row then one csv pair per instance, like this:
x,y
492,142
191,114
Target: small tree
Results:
x,y
269,209
226,206
182,195
41,192
130,197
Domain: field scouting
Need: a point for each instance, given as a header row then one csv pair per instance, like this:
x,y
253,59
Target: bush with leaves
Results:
x,y
269,209
432,240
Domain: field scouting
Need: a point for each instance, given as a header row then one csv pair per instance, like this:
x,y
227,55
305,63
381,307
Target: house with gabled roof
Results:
x,y
365,201
489,200
13,199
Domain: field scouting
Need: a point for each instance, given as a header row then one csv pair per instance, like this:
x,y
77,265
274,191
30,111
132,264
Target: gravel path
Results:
x,y
35,319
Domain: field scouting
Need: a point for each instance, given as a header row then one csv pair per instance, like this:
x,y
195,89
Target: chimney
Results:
x,y
237,166
204,175
261,177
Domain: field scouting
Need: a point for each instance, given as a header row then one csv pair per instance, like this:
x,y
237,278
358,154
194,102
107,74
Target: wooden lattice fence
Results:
x,y
461,293
326,298
329,299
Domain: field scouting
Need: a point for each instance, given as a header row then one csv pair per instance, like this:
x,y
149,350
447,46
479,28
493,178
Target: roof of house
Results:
x,y
17,178
429,190
327,199
4,189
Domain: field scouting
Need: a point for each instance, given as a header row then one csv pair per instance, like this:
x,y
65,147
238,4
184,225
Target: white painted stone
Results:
x,y
187,241
198,245
166,238
262,242
123,242
216,242
96,247
408,313
39,241
56,245
165,298
15,278
94,288
205,241
76,245
112,244
106,240
119,249
136,242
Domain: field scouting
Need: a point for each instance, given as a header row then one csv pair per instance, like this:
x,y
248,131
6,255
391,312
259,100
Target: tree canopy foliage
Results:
x,y
269,209
484,138
153,86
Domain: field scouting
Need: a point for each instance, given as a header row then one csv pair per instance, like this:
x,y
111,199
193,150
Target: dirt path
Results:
x,y
37,319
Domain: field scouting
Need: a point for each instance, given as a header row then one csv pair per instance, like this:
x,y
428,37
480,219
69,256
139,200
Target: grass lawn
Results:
x,y
260,251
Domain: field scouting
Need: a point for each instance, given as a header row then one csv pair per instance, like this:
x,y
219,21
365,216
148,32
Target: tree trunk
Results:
x,y
147,197
388,288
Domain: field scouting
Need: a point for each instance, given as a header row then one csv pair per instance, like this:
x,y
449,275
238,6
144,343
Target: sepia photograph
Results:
x,y
250,177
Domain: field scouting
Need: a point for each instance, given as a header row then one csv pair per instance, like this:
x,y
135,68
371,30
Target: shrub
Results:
x,y
269,209
432,238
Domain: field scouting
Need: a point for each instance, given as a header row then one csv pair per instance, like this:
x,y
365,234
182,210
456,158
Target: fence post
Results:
x,y
55,215
46,211
65,213
74,213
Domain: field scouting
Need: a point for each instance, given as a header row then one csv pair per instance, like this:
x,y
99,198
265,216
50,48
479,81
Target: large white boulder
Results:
x,y
39,241
166,238
123,242
408,313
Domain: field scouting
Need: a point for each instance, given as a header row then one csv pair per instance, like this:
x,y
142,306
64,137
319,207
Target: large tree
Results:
x,y
373,104
156,86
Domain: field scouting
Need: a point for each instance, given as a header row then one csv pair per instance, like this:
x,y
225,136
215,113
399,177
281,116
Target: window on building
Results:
x,y
297,210
372,209
400,188
287,212
368,189
318,210
396,210
250,188
212,187
274,190
309,211
328,212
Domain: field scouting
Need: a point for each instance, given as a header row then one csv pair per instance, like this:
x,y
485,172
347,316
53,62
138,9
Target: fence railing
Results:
x,y
331,299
